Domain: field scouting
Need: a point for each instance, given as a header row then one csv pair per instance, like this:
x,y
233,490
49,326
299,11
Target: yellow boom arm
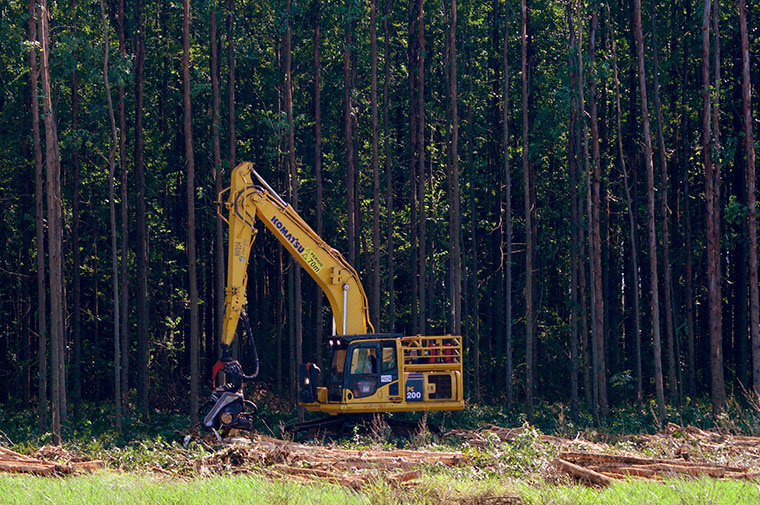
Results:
x,y
339,281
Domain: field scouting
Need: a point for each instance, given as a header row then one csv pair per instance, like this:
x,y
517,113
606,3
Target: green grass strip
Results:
x,y
106,488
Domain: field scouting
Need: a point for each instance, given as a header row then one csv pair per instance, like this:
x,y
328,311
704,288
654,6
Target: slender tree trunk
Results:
x,y
76,316
574,217
685,157
318,297
42,408
596,239
231,80
216,134
123,311
529,213
375,168
112,213
631,227
421,250
55,232
297,321
387,165
507,217
143,337
654,283
713,233
673,358
589,374
413,55
749,146
192,267
349,137
456,188
231,104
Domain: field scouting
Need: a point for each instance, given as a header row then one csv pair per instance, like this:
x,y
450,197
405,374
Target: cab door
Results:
x,y
362,373
389,367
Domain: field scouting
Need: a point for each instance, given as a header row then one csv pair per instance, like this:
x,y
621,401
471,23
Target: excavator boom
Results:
x,y
248,202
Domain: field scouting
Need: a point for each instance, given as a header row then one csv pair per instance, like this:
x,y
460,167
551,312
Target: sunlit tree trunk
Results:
x,y
55,232
42,393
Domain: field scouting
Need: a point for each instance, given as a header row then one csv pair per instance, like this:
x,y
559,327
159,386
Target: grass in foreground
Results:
x,y
112,488
106,488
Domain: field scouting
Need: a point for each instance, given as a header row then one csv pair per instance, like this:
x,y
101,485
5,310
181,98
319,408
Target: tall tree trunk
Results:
x,y
387,166
673,358
574,215
219,293
589,374
529,213
413,55
654,283
685,156
76,365
375,168
749,146
42,408
349,137
596,239
297,321
713,232
319,296
123,311
112,213
231,104
421,250
192,267
231,80
143,335
456,218
508,372
631,227
55,232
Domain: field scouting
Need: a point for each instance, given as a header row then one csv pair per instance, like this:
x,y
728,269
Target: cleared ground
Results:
x,y
492,465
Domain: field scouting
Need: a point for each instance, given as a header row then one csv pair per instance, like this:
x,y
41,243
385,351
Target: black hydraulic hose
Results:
x,y
244,317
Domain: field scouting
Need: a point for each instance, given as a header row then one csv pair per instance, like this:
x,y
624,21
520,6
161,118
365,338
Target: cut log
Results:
x,y
582,474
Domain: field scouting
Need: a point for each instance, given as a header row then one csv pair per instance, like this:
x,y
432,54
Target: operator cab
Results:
x,y
359,366
385,372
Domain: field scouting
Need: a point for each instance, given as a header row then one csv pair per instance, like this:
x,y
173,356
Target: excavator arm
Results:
x,y
247,202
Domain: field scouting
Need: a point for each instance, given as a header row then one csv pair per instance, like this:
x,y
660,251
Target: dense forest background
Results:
x,y
569,185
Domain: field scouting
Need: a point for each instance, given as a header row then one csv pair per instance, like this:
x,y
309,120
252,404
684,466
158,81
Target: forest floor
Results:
x,y
489,464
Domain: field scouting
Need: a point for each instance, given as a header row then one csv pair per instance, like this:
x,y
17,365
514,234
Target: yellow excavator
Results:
x,y
369,373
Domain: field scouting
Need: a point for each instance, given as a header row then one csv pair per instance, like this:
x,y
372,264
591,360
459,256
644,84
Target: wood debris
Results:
x,y
349,467
603,469
67,463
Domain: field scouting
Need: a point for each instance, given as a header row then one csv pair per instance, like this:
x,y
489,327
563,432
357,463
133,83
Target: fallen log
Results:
x,y
581,473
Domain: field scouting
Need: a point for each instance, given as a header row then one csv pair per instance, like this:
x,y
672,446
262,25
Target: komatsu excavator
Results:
x,y
369,373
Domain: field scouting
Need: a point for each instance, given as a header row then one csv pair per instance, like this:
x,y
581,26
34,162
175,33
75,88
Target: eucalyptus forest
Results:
x,y
568,184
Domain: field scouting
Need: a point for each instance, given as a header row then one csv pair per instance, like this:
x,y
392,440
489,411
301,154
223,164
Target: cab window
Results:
x,y
388,363
364,361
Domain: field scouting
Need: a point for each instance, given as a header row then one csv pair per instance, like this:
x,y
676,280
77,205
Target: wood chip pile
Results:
x,y
66,463
348,467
